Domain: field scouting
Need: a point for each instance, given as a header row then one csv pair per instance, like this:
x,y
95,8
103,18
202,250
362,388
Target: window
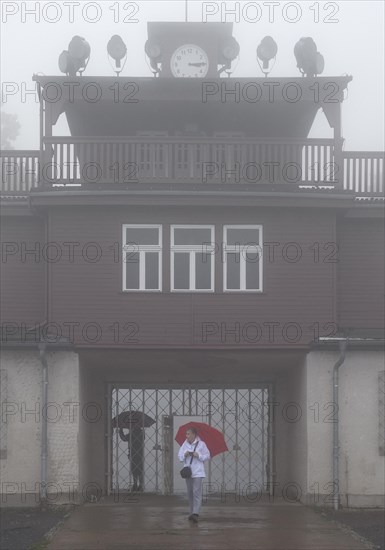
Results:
x,y
242,260
142,257
192,258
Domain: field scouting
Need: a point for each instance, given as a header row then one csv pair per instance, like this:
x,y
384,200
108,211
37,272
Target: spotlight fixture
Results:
x,y
309,61
76,58
154,53
80,51
66,64
117,50
266,52
229,51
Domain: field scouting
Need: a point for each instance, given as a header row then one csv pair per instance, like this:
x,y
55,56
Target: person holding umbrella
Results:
x,y
135,440
194,453
135,422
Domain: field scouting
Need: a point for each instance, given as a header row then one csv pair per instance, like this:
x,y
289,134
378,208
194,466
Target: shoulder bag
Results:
x,y
186,470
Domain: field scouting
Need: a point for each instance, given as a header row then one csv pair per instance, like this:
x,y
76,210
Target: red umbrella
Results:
x,y
213,438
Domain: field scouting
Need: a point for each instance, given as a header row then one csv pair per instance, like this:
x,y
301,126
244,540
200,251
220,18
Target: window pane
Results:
x,y
242,236
132,270
192,236
233,271
202,271
142,235
181,271
152,270
252,271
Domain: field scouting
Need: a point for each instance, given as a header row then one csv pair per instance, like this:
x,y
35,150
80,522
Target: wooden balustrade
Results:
x,y
73,162
19,171
193,160
364,171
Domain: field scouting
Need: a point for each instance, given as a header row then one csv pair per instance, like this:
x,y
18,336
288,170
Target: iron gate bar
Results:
x,y
108,442
209,422
258,434
157,446
223,430
263,436
116,434
249,415
236,439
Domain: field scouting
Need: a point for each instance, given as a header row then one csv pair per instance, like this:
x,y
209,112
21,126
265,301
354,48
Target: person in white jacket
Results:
x,y
196,448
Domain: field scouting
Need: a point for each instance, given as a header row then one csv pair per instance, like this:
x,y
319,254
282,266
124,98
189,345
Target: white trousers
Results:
x,y
194,493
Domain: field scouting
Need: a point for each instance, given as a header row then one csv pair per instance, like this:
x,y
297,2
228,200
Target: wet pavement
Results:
x,y
161,523
22,528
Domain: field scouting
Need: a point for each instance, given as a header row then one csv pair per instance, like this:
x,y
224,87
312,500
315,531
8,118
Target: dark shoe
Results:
x,y
190,517
195,518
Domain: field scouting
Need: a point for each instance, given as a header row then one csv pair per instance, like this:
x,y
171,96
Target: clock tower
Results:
x,y
190,50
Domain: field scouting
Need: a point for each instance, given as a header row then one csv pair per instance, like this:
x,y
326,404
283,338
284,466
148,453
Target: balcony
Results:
x,y
78,163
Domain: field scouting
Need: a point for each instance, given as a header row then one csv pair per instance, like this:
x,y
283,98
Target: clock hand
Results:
x,y
197,64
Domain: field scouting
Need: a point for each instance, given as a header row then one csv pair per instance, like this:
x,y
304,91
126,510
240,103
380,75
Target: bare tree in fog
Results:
x,y
10,128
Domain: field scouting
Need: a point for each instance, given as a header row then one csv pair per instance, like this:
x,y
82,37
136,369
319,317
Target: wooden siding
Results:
x,y
361,273
89,294
23,272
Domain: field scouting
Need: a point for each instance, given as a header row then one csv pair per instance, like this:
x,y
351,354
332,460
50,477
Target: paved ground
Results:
x,y
161,523
369,523
22,528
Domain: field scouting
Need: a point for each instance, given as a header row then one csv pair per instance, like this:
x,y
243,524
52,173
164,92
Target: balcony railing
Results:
x,y
69,162
192,160
19,171
364,171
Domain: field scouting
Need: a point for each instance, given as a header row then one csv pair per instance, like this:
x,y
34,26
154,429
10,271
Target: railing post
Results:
x,y
338,163
47,164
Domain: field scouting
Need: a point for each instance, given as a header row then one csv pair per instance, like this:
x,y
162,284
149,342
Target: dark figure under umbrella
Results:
x,y
135,440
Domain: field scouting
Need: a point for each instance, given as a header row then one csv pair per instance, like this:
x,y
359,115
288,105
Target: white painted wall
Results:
x,y
290,411
362,469
23,414
303,447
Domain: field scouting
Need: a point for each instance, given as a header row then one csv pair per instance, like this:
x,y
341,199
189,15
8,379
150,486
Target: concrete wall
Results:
x,y
304,418
290,412
92,440
22,420
361,475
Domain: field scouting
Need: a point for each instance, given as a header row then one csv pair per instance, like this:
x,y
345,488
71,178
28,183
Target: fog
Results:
x,y
349,34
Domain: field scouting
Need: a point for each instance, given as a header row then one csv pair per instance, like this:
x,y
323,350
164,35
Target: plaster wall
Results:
x,y
290,412
22,421
362,468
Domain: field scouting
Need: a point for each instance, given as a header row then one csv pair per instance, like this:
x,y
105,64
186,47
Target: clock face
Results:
x,y
189,61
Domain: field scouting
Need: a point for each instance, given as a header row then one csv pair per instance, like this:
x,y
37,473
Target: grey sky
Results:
x,y
349,34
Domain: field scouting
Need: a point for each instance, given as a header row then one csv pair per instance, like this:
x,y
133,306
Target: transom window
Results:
x,y
142,257
192,258
242,258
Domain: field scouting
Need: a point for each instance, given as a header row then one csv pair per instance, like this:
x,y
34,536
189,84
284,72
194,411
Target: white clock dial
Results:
x,y
189,61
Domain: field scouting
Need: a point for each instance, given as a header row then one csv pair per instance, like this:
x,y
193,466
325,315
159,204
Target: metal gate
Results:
x,y
243,414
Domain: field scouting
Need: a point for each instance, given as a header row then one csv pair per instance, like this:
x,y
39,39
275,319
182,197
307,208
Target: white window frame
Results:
x,y
238,248
192,250
142,249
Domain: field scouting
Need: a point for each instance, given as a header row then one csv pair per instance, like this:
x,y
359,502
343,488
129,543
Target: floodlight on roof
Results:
x,y
266,52
76,58
152,49
117,49
229,50
66,64
309,61
154,53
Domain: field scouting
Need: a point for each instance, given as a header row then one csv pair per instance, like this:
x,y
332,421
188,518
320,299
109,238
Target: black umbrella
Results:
x,y
132,419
